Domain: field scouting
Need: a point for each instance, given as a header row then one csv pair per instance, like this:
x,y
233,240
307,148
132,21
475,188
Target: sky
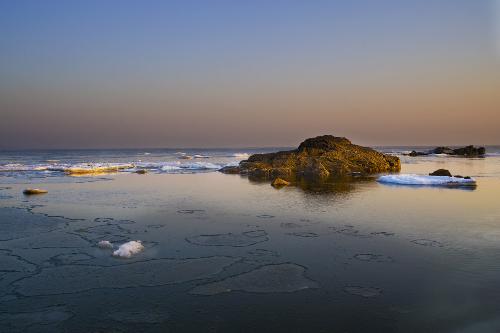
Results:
x,y
131,74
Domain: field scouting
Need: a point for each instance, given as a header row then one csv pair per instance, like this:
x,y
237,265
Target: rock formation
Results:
x,y
320,157
468,151
441,172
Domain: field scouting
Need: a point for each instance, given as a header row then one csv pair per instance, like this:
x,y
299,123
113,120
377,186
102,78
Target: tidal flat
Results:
x,y
222,253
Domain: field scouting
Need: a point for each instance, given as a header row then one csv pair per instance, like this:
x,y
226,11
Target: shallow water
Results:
x,y
222,253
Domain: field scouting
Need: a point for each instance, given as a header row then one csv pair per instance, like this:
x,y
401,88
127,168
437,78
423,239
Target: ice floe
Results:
x,y
413,179
43,319
235,240
274,278
363,291
139,316
149,273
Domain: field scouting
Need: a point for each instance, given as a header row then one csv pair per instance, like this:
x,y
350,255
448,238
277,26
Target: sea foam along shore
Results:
x,y
79,168
98,168
413,179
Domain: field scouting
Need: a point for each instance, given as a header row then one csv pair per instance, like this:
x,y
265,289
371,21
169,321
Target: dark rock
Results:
x,y
441,172
319,157
141,171
31,191
414,153
230,169
443,150
468,151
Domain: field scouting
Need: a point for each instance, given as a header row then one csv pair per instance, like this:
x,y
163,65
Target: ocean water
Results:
x,y
185,248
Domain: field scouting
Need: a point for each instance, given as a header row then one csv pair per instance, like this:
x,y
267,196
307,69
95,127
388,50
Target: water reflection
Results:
x,y
224,251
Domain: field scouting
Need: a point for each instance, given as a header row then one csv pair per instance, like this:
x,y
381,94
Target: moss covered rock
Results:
x,y
278,183
320,157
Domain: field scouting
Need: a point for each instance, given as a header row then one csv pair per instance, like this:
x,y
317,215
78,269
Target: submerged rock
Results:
x,y
31,191
319,157
141,171
441,172
278,182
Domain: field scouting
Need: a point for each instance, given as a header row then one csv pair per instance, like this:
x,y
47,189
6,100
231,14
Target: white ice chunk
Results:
x,y
129,249
413,179
104,244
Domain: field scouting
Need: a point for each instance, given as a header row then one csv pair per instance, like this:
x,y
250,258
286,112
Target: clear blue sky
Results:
x,y
253,73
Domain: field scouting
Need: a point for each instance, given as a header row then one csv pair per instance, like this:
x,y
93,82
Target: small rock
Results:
x,y
278,182
141,171
441,172
230,170
414,153
30,191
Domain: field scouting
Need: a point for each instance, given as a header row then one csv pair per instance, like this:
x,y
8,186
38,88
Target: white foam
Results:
x,y
23,167
104,244
241,155
413,179
97,167
200,166
170,168
128,249
201,156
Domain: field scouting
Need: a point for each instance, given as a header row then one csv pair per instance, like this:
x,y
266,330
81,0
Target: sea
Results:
x,y
185,248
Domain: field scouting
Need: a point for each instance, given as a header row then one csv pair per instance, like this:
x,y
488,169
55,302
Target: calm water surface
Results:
x,y
224,254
